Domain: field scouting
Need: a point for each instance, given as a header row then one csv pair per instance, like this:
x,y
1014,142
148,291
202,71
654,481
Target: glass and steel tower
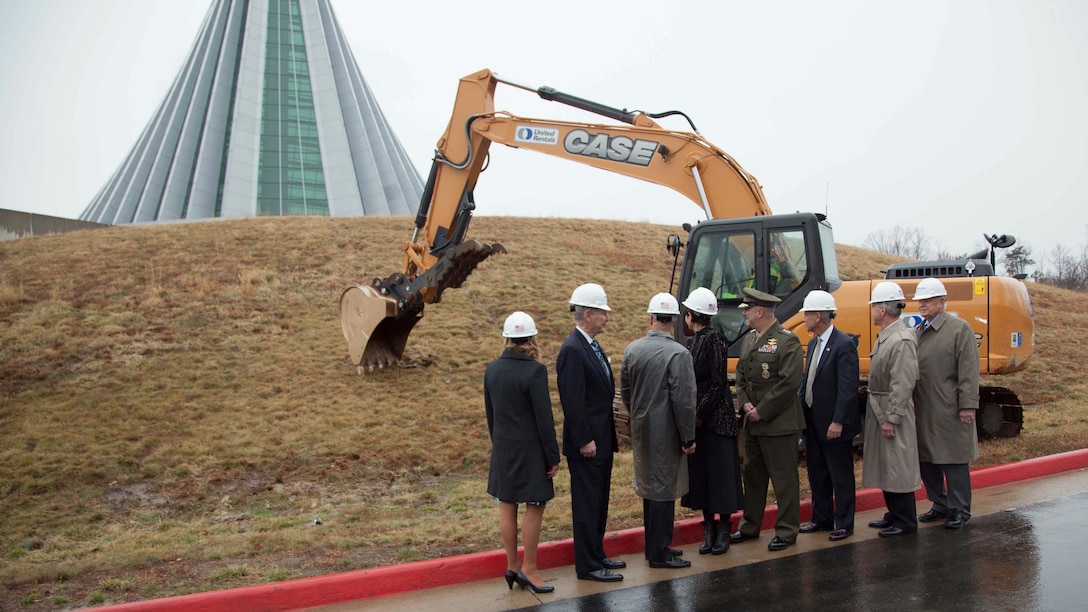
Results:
x,y
270,115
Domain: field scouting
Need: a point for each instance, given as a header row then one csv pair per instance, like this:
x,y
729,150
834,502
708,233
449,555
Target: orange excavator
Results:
x,y
742,244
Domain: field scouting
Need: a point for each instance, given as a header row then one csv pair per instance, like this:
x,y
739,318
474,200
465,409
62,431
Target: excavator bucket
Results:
x,y
373,324
376,336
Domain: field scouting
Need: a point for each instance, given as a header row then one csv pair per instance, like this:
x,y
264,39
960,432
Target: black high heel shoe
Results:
x,y
511,577
525,582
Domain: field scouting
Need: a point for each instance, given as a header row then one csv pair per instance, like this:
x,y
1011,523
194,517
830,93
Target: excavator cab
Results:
x,y
784,255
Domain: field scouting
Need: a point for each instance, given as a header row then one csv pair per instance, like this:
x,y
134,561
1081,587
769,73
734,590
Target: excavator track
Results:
x,y
1000,413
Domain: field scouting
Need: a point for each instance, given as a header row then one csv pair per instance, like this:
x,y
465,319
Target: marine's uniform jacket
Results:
x,y
947,383
769,375
892,464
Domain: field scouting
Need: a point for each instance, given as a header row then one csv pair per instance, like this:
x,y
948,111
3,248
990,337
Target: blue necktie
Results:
x,y
600,355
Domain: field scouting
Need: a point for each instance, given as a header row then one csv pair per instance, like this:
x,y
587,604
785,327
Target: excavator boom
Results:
x,y
377,319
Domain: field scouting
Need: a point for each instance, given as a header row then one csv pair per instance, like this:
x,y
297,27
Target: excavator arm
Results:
x,y
377,319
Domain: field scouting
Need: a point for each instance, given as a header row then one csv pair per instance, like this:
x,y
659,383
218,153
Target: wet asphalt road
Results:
x,y
1028,558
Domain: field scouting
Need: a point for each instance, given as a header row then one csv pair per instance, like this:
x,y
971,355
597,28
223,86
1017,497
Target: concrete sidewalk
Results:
x,y
473,582
1000,557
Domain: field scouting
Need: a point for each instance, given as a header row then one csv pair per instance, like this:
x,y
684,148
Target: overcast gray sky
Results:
x,y
961,118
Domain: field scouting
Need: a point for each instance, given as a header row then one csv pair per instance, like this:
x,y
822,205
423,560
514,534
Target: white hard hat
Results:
x,y
818,301
590,295
929,288
702,301
887,291
518,325
663,303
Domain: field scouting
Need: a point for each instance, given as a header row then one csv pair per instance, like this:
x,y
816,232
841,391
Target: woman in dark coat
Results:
x,y
524,453
714,482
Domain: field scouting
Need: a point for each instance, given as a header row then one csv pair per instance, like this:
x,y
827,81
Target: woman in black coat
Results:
x,y
524,453
714,481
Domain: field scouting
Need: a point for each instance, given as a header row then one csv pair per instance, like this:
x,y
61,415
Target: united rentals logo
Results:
x,y
612,148
537,135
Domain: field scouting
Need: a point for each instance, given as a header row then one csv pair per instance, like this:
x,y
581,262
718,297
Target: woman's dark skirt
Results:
x,y
714,483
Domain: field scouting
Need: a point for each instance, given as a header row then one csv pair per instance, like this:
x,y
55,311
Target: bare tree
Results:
x,y
909,242
1070,269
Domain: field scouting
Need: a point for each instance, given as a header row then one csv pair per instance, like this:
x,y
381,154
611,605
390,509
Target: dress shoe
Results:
x,y
527,584
671,563
601,575
511,577
894,531
740,536
956,520
778,543
840,534
676,552
880,523
612,564
814,527
932,515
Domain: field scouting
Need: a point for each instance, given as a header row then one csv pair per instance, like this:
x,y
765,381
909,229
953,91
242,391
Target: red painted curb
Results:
x,y
378,582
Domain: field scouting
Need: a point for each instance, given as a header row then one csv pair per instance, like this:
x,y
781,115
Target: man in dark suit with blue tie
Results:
x,y
586,390
829,400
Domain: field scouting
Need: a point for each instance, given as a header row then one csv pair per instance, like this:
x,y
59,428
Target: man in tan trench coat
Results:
x,y
945,401
891,444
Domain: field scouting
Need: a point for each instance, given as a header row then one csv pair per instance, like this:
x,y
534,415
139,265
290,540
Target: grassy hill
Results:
x,y
177,406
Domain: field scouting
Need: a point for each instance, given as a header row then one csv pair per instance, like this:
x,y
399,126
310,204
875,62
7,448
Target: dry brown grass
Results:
x,y
177,405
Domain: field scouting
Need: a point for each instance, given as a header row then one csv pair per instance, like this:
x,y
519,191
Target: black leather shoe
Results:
x,y
932,515
601,575
840,534
671,563
778,543
612,564
676,552
740,536
814,527
956,520
893,531
880,524
528,584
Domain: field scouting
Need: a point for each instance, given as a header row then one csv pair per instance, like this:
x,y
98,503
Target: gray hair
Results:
x,y
579,312
894,308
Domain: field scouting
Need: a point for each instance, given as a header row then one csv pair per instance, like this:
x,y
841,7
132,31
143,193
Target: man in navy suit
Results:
x,y
586,390
829,399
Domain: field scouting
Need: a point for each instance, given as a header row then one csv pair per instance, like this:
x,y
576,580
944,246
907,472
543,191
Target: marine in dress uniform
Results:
x,y
768,379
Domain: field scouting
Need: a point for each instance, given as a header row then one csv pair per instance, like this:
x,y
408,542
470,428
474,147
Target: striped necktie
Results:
x,y
600,355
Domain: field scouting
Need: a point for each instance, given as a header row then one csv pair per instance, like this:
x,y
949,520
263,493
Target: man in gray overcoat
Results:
x,y
945,401
657,385
891,440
